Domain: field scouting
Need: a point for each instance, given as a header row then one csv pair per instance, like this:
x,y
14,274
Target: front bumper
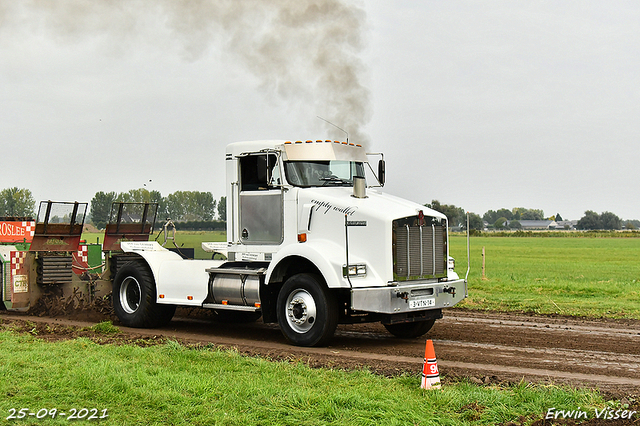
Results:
x,y
406,297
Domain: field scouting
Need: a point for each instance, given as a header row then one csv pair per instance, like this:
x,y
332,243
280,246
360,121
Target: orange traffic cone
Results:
x,y
430,374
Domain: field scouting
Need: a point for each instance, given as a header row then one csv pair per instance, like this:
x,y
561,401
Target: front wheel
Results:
x,y
307,312
410,330
134,298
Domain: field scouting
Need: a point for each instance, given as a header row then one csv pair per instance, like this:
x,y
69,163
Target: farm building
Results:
x,y
531,225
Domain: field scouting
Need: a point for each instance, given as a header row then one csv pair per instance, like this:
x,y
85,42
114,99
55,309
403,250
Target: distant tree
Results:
x,y
476,222
531,214
161,213
558,218
17,202
454,214
506,213
515,224
222,209
590,220
186,206
101,208
202,205
630,225
490,216
500,223
610,221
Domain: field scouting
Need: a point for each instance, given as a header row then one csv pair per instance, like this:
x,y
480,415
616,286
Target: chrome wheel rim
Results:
x,y
301,311
130,295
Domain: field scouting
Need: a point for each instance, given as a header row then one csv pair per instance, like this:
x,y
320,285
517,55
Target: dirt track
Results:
x,y
484,347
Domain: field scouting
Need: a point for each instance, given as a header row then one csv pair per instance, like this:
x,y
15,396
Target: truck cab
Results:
x,y
310,244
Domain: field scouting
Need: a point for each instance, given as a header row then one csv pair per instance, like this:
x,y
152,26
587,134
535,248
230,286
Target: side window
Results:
x,y
259,172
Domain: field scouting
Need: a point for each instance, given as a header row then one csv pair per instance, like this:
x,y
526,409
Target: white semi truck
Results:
x,y
309,246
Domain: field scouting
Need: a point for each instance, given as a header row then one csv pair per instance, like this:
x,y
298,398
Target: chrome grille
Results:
x,y
419,251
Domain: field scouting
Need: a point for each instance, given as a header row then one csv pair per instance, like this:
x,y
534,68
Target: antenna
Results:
x,y
334,126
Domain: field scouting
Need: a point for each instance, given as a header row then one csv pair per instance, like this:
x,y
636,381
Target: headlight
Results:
x,y
359,270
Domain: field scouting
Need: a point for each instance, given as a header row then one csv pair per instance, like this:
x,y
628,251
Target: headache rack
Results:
x,y
419,248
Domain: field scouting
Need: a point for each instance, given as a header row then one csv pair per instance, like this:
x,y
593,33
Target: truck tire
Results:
x,y
307,312
410,330
134,298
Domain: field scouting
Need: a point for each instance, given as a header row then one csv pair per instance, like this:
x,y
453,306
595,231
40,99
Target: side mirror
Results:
x,y
381,172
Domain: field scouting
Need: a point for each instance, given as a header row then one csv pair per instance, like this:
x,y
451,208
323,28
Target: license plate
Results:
x,y
422,303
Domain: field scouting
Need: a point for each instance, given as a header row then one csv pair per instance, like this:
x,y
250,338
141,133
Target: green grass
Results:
x,y
187,239
596,277
591,274
104,327
171,384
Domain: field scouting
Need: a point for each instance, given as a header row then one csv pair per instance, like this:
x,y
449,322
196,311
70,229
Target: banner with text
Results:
x,y
17,232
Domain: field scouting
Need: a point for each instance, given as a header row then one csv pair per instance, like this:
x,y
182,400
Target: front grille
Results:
x,y
419,250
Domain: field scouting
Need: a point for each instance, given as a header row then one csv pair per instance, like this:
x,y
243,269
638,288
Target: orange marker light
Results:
x,y
302,238
161,296
189,297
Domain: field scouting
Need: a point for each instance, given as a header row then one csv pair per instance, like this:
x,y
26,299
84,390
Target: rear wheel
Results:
x,y
307,312
134,298
410,330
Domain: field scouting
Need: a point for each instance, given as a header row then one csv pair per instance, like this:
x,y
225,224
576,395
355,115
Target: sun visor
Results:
x,y
324,151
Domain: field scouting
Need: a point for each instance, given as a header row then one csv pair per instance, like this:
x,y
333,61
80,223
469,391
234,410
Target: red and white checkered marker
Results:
x,y
30,228
17,261
80,260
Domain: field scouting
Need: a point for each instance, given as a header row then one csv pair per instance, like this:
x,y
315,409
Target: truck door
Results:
x,y
261,203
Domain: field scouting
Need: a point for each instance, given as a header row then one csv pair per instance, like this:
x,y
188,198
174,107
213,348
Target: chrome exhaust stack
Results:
x,y
359,187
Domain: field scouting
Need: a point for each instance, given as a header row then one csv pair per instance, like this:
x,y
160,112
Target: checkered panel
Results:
x,y
17,261
30,228
80,260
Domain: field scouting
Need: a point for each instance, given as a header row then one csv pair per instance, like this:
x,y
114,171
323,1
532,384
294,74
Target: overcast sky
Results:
x,y
484,105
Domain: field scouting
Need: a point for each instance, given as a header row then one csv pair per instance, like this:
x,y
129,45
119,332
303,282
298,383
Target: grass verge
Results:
x,y
593,277
171,384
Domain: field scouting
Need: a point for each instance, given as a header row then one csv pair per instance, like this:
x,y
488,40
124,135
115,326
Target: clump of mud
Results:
x,y
76,306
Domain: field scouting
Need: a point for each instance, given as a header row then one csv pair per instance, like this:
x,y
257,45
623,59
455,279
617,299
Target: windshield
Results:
x,y
322,173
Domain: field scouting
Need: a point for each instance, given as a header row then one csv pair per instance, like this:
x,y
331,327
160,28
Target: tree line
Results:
x,y
510,218
15,202
194,207
200,207
180,206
